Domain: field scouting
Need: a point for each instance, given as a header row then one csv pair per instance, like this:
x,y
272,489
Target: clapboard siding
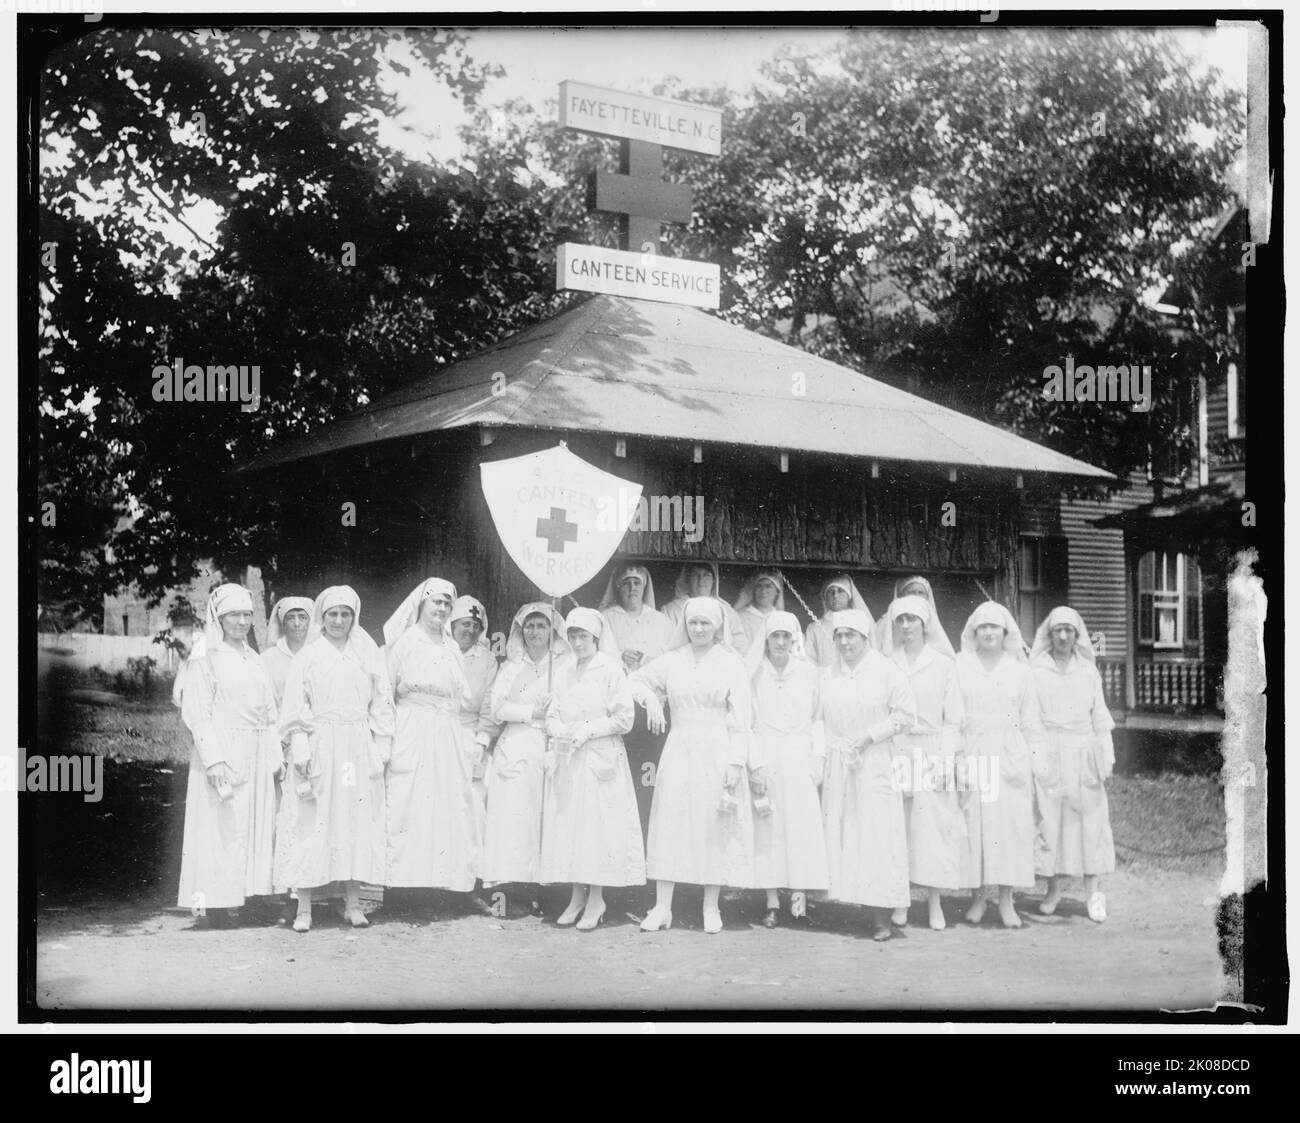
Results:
x,y
1097,576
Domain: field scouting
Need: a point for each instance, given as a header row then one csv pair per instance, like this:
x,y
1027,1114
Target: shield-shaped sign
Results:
x,y
559,518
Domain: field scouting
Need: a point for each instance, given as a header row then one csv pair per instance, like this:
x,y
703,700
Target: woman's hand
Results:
x,y
758,781
654,716
219,774
542,705
734,772
579,733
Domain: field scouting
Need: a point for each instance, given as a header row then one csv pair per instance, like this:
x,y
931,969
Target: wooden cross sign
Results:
x,y
645,125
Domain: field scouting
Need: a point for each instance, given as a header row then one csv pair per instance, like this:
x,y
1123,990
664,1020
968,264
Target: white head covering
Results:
x,y
359,647
470,608
746,597
224,598
856,618
844,581
515,641
914,605
281,609
408,612
682,590
589,620
1055,618
990,612
711,608
621,571
779,621
940,640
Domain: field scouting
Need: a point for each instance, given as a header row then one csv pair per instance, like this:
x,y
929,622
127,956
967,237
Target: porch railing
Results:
x,y
1189,686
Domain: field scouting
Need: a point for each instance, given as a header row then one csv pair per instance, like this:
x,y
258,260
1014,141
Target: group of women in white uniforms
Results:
x,y
850,761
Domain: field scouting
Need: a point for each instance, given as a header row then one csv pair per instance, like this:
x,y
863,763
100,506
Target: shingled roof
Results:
x,y
640,368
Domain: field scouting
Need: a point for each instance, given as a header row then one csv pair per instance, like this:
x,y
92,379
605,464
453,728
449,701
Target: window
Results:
x,y
1169,591
126,627
1043,571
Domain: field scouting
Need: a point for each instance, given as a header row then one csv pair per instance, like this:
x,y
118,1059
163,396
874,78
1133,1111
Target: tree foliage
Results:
x,y
952,212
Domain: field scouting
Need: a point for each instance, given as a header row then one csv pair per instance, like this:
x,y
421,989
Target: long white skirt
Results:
x,y
228,850
866,836
937,837
1074,827
1001,823
790,844
512,841
339,834
591,831
691,838
432,831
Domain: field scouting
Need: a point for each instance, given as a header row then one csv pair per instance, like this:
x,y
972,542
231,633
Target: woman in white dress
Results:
x,y
789,751
929,754
286,633
1003,738
700,579
839,594
591,834
433,836
1078,759
642,634
763,594
228,704
864,700
537,654
338,719
469,628
700,823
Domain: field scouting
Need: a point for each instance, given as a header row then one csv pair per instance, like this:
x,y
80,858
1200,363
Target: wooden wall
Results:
x,y
420,512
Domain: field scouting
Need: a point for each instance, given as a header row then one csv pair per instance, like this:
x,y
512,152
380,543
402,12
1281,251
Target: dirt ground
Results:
x,y
1156,952
109,937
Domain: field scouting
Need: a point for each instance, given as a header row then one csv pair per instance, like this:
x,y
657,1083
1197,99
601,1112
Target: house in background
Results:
x,y
1146,567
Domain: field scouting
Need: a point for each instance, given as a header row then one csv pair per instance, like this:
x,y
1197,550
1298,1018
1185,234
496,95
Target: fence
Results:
x,y
86,649
1190,686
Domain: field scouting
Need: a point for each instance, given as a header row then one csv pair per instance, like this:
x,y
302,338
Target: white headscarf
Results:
x,y
281,609
470,608
779,621
224,598
845,582
515,641
990,612
408,612
681,589
940,641
359,647
589,620
856,618
611,588
711,608
1055,618
746,597
913,605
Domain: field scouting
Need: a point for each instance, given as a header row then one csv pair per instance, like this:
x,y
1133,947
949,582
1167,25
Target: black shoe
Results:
x,y
771,918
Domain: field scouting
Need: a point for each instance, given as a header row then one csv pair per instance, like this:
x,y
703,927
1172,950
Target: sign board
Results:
x,y
559,518
674,124
644,276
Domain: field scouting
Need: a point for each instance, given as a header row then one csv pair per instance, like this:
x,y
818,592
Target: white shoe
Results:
x,y
712,921
656,919
570,915
1097,907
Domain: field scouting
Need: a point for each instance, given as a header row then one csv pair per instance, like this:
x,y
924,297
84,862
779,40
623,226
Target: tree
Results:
x,y
335,262
958,211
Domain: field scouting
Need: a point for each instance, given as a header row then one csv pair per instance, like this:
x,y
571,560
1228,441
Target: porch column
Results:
x,y
1131,557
